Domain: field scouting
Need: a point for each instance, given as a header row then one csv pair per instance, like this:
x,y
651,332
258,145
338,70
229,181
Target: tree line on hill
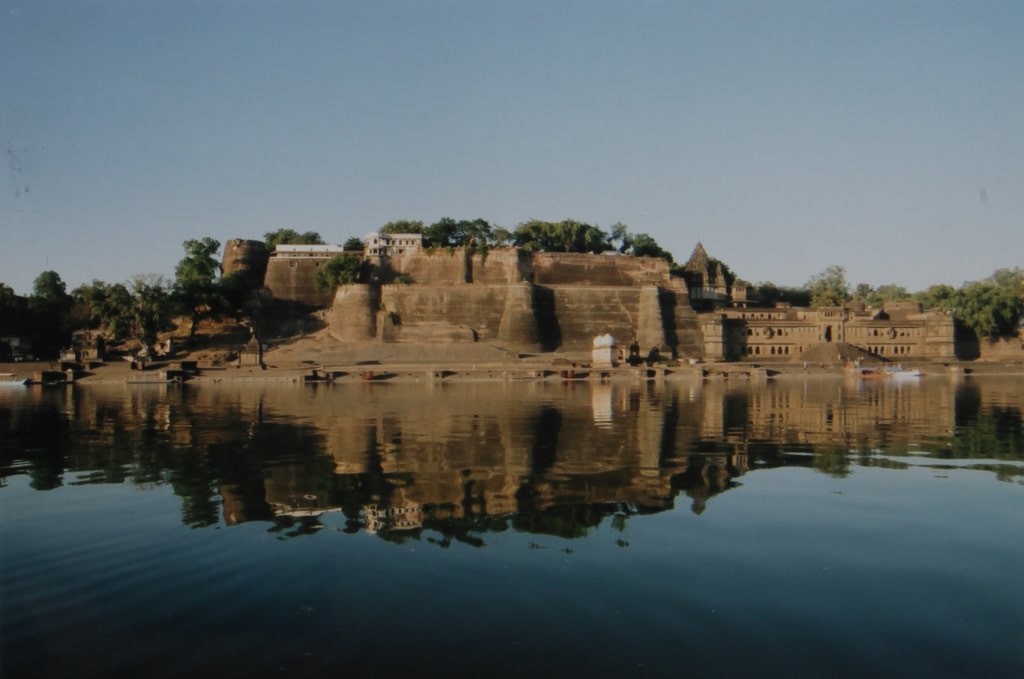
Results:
x,y
147,305
567,235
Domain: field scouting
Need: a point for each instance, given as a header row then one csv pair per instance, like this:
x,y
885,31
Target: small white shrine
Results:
x,y
603,355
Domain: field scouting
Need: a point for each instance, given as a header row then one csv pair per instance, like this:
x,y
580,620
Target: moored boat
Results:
x,y
887,372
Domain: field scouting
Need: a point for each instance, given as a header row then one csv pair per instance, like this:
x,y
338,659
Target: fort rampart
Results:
x,y
543,301
245,258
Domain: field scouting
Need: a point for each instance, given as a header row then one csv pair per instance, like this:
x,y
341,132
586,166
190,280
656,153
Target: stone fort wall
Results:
x,y
457,266
518,317
562,268
291,279
548,301
246,258
517,299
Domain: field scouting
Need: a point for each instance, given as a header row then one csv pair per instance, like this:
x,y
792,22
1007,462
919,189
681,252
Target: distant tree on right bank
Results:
x,y
994,306
829,288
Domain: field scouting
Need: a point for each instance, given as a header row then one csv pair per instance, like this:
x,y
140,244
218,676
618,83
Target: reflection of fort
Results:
x,y
830,414
536,457
467,454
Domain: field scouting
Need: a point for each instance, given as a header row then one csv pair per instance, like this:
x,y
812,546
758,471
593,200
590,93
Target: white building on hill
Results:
x,y
388,244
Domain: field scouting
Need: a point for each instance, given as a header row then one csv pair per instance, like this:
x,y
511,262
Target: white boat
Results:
x,y
888,372
898,372
12,380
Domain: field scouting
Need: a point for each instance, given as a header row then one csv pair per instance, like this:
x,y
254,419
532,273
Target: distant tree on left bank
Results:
x,y
50,307
196,292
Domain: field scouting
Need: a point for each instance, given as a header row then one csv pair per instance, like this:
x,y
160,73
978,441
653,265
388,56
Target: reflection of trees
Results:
x,y
566,521
545,440
156,437
993,432
37,435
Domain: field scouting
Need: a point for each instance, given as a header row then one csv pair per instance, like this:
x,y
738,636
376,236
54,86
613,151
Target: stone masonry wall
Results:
x,y
583,313
291,278
247,258
560,268
438,313
500,266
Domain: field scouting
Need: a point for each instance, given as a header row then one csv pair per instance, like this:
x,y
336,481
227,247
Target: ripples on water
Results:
x,y
796,528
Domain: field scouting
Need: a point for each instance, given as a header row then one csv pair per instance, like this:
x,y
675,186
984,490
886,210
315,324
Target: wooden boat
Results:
x,y
317,376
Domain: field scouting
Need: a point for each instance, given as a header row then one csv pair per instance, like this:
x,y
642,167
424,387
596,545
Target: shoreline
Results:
x,y
538,368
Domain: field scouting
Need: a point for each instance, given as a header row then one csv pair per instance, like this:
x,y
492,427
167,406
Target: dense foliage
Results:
x,y
291,237
343,269
537,235
989,308
829,288
196,291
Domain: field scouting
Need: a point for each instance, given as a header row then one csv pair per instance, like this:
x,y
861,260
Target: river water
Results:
x,y
799,528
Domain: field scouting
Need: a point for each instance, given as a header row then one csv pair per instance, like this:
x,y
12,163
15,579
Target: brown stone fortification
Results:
x,y
547,301
245,258
291,279
523,301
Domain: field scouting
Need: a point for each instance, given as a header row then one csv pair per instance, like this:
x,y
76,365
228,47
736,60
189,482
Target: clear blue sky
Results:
x,y
886,137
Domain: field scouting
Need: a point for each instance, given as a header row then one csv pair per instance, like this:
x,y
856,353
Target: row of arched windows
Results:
x,y
768,351
898,350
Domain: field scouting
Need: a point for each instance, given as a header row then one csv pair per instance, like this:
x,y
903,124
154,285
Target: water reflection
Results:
x,y
460,461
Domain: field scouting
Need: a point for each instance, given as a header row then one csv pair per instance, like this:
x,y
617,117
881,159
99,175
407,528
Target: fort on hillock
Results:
x,y
528,301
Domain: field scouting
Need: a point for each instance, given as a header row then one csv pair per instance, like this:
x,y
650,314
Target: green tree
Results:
x,y
829,288
864,293
50,306
450,233
402,226
887,294
151,309
643,245
115,311
343,269
567,235
291,237
994,306
989,309
770,294
938,298
354,244
501,236
531,235
49,293
15,318
196,292
86,301
1011,279
620,234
